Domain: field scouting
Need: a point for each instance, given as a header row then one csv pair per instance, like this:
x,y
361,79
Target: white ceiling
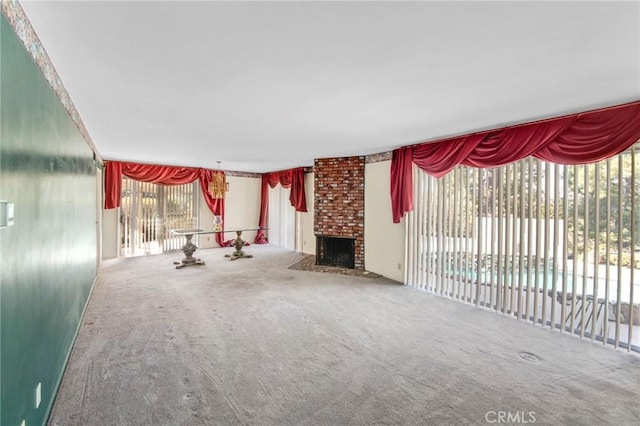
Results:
x,y
265,86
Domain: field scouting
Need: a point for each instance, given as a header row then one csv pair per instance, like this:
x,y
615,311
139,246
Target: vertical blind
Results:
x,y
282,225
553,245
148,212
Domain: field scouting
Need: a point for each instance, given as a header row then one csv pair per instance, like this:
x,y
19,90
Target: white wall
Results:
x,y
384,240
308,237
242,210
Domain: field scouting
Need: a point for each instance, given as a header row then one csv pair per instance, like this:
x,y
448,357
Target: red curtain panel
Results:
x,y
401,183
163,175
572,139
292,178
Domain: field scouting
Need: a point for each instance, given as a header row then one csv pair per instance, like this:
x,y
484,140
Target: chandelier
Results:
x,y
218,185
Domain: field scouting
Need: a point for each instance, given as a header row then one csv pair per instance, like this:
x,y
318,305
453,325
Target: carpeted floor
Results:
x,y
253,342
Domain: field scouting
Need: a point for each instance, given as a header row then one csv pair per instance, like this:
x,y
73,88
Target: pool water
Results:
x,y
544,281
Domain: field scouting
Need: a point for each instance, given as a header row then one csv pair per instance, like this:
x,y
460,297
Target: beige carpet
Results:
x,y
253,342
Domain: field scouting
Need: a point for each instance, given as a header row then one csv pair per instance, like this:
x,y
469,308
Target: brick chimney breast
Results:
x,y
339,201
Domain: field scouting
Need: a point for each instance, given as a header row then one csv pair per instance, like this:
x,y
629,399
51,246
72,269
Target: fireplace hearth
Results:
x,y
336,251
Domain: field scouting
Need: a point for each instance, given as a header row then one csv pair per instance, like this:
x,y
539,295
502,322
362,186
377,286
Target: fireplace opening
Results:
x,y
336,251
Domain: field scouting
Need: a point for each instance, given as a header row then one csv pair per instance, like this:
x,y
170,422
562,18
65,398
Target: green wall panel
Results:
x,y
48,258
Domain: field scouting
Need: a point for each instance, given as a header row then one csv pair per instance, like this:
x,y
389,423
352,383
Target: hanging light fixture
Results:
x,y
218,185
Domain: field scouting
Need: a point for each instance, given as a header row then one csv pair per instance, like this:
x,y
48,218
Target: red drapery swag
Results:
x,y
292,178
163,175
573,139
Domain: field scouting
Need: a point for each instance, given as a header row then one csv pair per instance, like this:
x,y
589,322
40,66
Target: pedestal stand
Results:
x,y
238,243
188,249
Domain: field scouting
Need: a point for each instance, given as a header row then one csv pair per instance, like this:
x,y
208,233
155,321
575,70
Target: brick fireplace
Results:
x,y
339,203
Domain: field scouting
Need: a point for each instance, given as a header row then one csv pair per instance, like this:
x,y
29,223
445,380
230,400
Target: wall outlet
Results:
x,y
38,394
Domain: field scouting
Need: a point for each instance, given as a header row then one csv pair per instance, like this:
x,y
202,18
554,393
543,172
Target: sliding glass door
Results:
x,y
148,212
554,245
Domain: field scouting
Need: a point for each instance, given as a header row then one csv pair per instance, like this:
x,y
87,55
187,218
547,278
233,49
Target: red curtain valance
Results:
x,y
292,178
162,175
573,139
